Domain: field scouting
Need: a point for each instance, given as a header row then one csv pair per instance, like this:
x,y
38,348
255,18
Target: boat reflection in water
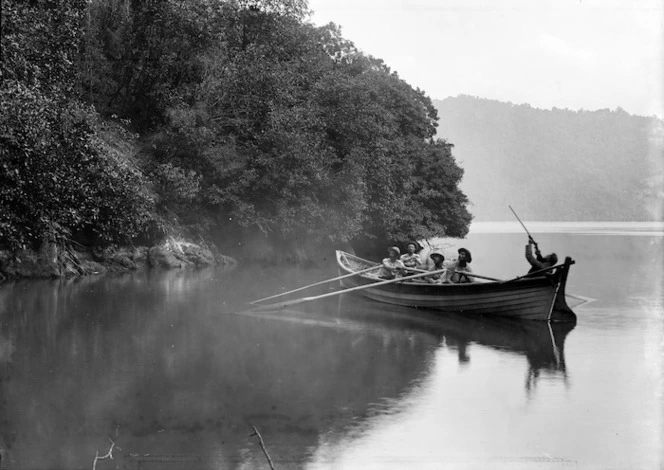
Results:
x,y
474,388
542,343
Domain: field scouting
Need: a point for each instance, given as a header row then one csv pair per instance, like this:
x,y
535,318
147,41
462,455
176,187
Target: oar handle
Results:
x,y
478,276
373,268
462,272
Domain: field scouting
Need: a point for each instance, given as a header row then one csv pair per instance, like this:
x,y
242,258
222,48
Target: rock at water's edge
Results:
x,y
54,261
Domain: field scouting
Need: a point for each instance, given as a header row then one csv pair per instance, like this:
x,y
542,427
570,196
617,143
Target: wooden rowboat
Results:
x,y
530,297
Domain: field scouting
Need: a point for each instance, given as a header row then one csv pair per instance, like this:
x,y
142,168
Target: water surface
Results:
x,y
175,369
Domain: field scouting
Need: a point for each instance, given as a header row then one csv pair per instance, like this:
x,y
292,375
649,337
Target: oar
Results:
x,y
524,227
478,276
462,272
584,300
373,268
352,289
534,273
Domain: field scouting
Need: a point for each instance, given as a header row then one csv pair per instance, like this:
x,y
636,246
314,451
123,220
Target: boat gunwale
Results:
x,y
405,292
472,287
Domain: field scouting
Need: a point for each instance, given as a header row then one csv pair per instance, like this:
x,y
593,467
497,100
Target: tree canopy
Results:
x,y
56,174
249,118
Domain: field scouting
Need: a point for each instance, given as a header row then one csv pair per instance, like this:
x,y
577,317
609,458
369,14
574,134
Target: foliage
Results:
x,y
139,55
41,42
299,135
250,119
55,174
56,180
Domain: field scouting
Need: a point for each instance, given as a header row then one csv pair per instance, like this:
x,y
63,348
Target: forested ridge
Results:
x,y
557,165
123,120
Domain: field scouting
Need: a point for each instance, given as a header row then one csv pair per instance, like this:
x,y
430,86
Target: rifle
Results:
x,y
524,227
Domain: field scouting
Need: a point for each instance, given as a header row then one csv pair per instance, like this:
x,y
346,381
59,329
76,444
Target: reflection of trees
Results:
x,y
6,351
150,355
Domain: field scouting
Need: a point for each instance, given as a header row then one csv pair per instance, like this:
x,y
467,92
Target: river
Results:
x,y
172,369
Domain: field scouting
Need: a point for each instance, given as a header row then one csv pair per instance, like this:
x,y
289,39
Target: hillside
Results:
x,y
243,124
555,164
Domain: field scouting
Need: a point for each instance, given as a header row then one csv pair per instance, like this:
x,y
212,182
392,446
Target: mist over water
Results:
x,y
175,368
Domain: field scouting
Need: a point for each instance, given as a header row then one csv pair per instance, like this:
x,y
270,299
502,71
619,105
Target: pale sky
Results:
x,y
589,54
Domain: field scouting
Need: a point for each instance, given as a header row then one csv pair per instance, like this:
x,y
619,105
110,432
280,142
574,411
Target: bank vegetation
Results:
x,y
127,123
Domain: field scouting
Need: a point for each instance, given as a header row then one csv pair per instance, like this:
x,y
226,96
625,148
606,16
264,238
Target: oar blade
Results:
x,y
286,303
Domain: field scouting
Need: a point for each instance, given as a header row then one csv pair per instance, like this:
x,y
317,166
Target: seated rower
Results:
x,y
538,261
461,266
438,263
392,267
410,259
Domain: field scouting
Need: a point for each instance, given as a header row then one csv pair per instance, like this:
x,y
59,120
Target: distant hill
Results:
x,y
557,165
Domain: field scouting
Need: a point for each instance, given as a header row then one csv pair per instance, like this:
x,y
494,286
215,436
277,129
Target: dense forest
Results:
x,y
556,164
122,121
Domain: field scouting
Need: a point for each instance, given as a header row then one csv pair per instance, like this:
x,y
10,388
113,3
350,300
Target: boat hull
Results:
x,y
537,298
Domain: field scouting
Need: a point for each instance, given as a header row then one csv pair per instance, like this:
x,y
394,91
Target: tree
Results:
x,y
55,175
252,120
300,135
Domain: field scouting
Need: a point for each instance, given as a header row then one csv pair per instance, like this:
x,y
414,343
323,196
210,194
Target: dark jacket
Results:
x,y
536,263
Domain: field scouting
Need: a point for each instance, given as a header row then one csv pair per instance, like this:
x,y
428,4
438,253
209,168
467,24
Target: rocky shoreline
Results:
x,y
54,260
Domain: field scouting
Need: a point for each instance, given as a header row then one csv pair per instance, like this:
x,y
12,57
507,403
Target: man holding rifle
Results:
x,y
538,261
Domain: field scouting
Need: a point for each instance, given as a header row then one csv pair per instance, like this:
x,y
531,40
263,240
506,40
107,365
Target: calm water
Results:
x,y
174,368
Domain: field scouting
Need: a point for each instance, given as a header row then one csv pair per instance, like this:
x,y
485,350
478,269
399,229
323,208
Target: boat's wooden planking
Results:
x,y
536,298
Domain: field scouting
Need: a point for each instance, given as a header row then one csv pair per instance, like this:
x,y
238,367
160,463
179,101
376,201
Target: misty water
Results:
x,y
175,368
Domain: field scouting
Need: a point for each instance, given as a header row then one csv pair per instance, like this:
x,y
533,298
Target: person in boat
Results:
x,y
438,263
456,270
410,259
538,261
392,266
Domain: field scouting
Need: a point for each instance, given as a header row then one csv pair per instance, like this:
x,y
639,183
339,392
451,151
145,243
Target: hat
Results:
x,y
417,246
395,249
553,259
436,253
468,257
